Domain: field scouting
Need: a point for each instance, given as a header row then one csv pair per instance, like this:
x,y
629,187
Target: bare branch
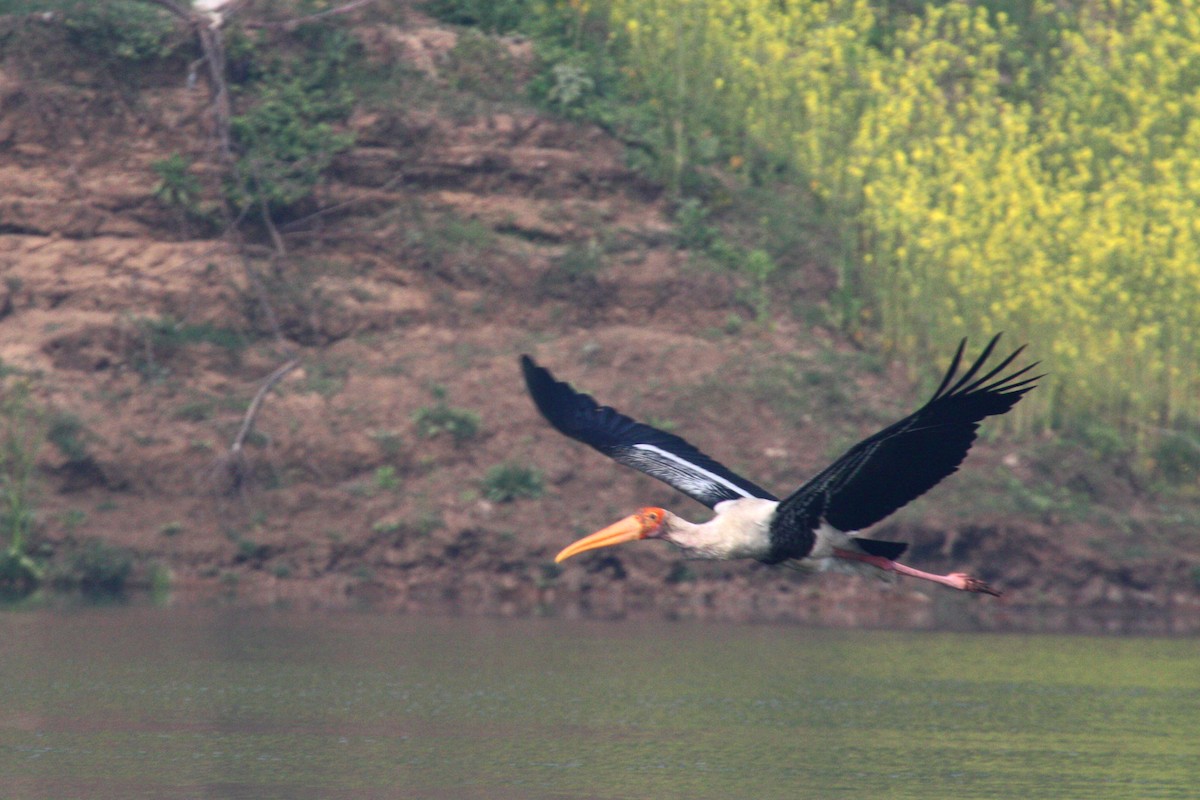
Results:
x,y
214,55
230,469
255,404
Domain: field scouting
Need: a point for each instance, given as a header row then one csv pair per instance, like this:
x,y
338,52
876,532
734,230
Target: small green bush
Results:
x,y
67,432
692,229
286,140
459,424
122,30
1177,455
180,191
164,337
386,479
22,433
286,133
504,483
97,568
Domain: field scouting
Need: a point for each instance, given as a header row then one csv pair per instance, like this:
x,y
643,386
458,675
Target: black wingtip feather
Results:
x,y
553,398
954,362
901,462
1004,391
979,362
996,371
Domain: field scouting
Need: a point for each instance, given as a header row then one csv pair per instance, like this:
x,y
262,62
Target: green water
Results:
x,y
146,703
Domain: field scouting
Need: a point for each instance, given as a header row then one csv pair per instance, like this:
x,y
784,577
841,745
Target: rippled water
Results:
x,y
132,703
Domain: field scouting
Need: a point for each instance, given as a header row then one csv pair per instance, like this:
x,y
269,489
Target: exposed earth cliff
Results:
x,y
458,232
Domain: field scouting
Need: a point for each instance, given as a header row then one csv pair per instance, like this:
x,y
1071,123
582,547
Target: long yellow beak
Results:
x,y
629,529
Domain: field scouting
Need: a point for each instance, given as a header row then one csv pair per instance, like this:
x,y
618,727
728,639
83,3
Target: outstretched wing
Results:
x,y
657,453
903,461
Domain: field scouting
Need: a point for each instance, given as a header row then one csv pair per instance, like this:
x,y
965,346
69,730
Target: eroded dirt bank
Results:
x,y
466,233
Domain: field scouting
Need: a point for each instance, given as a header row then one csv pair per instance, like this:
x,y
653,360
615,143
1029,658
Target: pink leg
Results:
x,y
955,580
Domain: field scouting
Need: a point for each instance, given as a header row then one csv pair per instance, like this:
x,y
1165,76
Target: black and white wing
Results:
x,y
657,453
903,461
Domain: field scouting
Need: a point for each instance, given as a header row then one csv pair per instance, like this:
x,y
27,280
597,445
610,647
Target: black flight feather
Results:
x,y
657,453
903,461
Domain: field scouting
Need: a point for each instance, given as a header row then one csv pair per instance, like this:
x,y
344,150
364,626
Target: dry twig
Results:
x,y
230,468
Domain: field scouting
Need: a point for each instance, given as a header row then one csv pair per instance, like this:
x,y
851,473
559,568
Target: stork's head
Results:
x,y
648,523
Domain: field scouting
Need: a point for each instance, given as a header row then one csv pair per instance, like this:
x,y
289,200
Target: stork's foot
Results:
x,y
969,583
955,580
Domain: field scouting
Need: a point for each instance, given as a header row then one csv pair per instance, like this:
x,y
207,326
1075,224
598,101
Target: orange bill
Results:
x,y
629,529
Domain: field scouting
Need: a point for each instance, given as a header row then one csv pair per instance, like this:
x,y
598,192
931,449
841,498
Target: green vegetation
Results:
x,y
440,419
326,377
425,524
163,338
984,181
504,483
961,168
952,168
428,522
176,185
22,432
387,526
67,432
287,131
180,191
448,240
480,65
126,31
386,479
96,568
494,16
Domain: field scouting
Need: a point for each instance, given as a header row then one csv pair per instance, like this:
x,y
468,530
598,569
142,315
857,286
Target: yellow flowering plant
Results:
x,y
1063,212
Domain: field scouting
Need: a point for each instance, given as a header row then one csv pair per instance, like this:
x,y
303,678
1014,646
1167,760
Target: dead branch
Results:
x,y
255,404
212,48
229,470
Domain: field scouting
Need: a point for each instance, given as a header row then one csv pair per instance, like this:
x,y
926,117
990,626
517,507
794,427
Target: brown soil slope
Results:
x,y
459,238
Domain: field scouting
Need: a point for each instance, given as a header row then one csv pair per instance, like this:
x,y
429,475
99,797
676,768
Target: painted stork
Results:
x,y
816,527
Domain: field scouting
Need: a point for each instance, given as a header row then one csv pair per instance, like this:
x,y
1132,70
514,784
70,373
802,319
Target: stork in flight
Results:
x,y
816,527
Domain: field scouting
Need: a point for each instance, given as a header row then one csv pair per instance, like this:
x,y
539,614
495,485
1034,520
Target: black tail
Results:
x,y
878,547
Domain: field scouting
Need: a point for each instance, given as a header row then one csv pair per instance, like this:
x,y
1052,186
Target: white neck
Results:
x,y
741,529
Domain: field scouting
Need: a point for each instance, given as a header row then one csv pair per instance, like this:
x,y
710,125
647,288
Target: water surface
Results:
x,y
158,703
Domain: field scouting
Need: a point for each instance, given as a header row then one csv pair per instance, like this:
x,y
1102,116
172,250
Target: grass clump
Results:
x,y
22,433
504,483
96,568
458,423
163,338
386,479
177,187
180,191
68,433
123,31
441,419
